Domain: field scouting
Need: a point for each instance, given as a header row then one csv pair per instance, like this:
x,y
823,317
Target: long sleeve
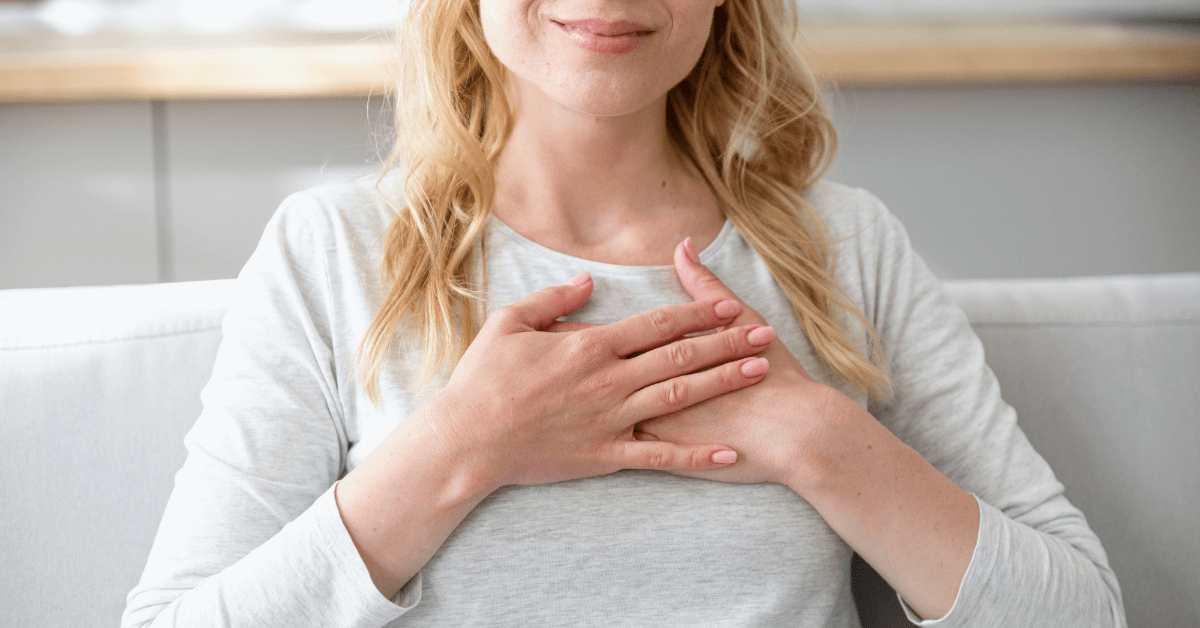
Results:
x,y
1036,561
252,535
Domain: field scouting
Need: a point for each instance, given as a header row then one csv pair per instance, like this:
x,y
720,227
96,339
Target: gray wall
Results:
x,y
992,181
230,164
76,197
1021,181
116,193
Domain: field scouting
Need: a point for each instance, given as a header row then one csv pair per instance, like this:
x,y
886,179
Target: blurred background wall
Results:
x,y
1032,181
992,178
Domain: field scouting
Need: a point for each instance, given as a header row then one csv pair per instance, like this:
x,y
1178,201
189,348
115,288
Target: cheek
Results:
x,y
692,39
506,30
685,44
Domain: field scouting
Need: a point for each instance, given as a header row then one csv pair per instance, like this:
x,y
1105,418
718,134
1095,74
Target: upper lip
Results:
x,y
606,28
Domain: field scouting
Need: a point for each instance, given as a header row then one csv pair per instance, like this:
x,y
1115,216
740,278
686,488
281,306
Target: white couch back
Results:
x,y
98,386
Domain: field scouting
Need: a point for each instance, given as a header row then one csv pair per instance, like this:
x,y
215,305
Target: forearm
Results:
x,y
405,499
222,559
911,523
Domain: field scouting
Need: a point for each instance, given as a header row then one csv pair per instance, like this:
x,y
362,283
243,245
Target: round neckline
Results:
x,y
593,266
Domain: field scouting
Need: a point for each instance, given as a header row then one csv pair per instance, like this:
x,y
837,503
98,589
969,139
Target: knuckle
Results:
x,y
598,385
680,354
657,459
586,345
504,314
733,341
555,292
676,393
729,376
662,323
710,279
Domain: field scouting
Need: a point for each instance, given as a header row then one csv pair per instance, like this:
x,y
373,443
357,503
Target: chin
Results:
x,y
607,96
606,106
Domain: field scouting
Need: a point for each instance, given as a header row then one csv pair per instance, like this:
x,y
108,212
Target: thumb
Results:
x,y
662,456
697,279
542,308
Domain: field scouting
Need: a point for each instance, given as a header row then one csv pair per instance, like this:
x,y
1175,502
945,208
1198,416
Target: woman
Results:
x,y
622,466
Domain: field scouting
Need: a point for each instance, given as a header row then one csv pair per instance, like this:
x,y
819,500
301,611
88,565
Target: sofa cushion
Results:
x,y
98,386
1103,374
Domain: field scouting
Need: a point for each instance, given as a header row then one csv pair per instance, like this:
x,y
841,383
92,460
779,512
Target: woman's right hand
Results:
x,y
535,401
539,406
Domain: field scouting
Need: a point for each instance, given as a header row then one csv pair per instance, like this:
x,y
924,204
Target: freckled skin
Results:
x,y
524,36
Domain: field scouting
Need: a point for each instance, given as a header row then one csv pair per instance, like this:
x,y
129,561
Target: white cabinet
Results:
x,y
991,181
76,195
103,193
1029,181
231,163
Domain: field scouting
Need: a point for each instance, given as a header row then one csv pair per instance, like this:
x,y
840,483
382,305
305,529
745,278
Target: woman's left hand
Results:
x,y
915,526
911,523
777,427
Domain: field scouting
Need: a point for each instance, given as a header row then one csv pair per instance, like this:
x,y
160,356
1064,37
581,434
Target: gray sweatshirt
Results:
x,y
252,537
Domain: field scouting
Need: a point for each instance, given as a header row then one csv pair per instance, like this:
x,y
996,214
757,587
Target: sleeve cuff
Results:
x,y
354,584
974,580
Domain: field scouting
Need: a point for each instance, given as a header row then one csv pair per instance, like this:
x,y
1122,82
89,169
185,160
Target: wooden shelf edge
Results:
x,y
848,53
1008,66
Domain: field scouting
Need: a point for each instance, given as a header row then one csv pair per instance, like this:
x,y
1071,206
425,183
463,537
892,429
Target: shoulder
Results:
x,y
338,227
360,206
873,255
865,235
849,212
326,237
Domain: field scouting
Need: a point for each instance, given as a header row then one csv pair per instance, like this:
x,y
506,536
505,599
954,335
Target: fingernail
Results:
x,y
761,335
689,247
727,456
728,308
755,367
581,278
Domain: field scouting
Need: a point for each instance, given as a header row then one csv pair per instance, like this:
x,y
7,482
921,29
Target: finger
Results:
x,y
681,392
693,354
542,308
699,281
568,326
660,326
662,456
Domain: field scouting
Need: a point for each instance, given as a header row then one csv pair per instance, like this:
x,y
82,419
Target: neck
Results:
x,y
569,176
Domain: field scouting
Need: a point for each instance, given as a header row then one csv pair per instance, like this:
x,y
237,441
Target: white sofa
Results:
x,y
98,386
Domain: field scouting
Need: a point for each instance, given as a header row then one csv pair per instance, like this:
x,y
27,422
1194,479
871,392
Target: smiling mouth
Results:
x,y
607,29
604,37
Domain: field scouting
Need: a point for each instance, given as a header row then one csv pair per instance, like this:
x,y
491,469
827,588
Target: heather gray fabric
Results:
x,y
283,421
97,385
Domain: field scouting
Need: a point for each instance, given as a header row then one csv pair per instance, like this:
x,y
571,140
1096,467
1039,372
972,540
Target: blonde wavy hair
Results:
x,y
750,118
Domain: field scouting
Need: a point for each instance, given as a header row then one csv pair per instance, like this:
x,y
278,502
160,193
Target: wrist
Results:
x,y
830,446
420,462
406,497
455,447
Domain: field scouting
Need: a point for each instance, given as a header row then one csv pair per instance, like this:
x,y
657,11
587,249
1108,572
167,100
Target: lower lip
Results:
x,y
619,44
